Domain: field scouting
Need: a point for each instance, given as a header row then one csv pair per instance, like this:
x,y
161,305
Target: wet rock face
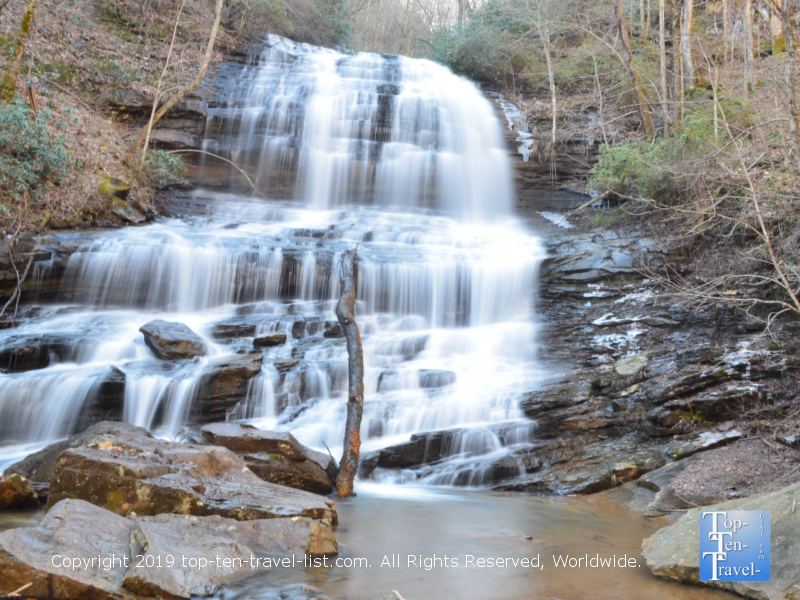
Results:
x,y
129,473
17,492
431,378
586,465
589,258
24,358
73,528
172,341
148,552
269,340
39,466
276,457
224,383
672,551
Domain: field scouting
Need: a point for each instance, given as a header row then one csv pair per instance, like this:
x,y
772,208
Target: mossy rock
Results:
x,y
111,187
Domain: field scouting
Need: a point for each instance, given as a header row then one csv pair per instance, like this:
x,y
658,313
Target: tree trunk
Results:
x,y
726,25
187,89
749,75
644,113
8,87
689,73
460,14
377,27
776,26
345,312
404,43
662,48
641,16
544,33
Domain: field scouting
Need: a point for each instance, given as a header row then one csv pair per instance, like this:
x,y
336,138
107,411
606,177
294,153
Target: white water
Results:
x,y
446,275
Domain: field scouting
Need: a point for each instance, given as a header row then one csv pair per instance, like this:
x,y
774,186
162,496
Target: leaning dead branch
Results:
x,y
185,90
18,291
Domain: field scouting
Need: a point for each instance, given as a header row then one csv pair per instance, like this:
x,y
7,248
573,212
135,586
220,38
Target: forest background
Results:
x,y
691,107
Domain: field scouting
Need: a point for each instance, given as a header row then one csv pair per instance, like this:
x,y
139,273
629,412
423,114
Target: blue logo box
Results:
x,y
734,545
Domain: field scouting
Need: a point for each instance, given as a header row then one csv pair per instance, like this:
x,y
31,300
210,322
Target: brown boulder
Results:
x,y
224,383
222,549
269,339
276,456
138,475
71,529
172,341
167,556
17,492
39,466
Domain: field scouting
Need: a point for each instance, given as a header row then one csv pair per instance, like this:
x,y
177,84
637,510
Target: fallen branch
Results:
x,y
230,162
22,589
18,291
600,198
345,312
187,89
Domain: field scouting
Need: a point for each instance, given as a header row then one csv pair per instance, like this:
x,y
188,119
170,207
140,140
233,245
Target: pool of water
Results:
x,y
419,525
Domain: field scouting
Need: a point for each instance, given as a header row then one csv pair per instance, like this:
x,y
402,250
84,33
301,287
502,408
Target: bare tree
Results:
x,y
644,112
182,92
749,71
662,51
345,312
8,86
689,75
542,26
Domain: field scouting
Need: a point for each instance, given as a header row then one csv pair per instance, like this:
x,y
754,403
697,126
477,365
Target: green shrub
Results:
x,y
163,169
31,158
662,169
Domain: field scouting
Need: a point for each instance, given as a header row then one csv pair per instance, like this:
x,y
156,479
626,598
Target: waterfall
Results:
x,y
395,155
368,130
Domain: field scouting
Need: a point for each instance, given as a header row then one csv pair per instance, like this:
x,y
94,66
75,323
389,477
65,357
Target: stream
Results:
x,y
406,161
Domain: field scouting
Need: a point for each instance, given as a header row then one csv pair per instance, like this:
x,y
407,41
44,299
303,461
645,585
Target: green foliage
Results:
x,y
114,13
632,169
277,14
31,158
664,168
608,218
337,18
163,169
484,49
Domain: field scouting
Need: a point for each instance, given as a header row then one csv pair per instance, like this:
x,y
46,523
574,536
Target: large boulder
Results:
x,y
168,556
673,551
134,474
224,383
71,529
17,492
39,466
275,456
172,341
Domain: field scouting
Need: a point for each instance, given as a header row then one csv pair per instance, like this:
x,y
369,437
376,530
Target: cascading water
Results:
x,y
395,155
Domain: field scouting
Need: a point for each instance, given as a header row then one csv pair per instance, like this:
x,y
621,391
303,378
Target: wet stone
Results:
x,y
172,341
127,472
17,492
148,552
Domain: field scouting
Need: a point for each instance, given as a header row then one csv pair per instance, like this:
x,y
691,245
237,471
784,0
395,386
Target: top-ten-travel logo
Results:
x,y
734,545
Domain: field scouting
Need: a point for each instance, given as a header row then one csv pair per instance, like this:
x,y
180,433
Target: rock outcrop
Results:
x,y
276,457
224,383
39,466
17,492
168,556
672,552
129,473
172,341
